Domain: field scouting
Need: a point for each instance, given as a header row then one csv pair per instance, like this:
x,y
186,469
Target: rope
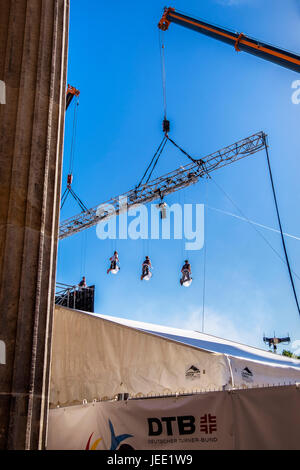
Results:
x,y
280,227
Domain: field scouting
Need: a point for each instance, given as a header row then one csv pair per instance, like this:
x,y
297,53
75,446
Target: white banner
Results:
x,y
266,418
185,423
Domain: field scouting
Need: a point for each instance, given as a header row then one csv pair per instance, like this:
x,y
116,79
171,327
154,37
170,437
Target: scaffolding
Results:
x,y
78,298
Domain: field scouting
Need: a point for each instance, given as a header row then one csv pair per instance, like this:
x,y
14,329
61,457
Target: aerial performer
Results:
x,y
114,264
146,272
186,279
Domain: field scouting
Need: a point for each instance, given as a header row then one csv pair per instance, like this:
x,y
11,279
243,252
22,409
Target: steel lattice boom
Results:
x,y
164,185
240,41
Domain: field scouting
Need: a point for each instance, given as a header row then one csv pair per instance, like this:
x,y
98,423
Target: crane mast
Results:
x,y
240,41
160,187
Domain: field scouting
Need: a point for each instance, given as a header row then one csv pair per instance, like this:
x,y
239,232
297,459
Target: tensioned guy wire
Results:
x,y
280,227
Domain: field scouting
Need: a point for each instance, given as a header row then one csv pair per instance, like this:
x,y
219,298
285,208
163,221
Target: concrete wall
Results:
x,y
33,62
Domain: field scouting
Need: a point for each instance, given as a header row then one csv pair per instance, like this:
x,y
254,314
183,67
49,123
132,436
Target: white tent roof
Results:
x,y
97,356
206,342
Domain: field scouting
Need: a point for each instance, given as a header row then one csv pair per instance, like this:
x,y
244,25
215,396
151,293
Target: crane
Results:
x,y
240,41
160,187
71,93
190,174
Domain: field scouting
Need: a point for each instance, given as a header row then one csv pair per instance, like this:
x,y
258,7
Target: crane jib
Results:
x,y
239,41
164,185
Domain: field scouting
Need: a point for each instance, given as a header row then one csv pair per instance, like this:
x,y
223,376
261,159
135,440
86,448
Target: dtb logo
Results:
x,y
2,353
185,425
2,93
182,425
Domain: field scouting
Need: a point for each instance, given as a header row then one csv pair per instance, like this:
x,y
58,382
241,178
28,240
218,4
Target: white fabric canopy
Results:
x,y
96,356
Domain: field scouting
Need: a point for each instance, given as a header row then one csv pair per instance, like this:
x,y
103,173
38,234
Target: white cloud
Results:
x,y
241,323
246,331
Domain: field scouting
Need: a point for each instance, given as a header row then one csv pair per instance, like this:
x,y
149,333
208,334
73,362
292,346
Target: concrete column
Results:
x,y
33,62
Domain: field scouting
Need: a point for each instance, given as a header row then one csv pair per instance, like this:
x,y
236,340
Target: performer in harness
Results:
x,y
186,278
146,273
114,264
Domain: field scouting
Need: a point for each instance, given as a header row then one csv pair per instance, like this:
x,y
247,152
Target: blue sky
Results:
x,y
215,96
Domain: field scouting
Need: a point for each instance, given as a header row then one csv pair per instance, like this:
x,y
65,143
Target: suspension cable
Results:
x,y
158,156
163,69
158,151
74,133
280,226
64,198
250,223
204,286
204,266
183,151
79,201
69,189
286,260
266,227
